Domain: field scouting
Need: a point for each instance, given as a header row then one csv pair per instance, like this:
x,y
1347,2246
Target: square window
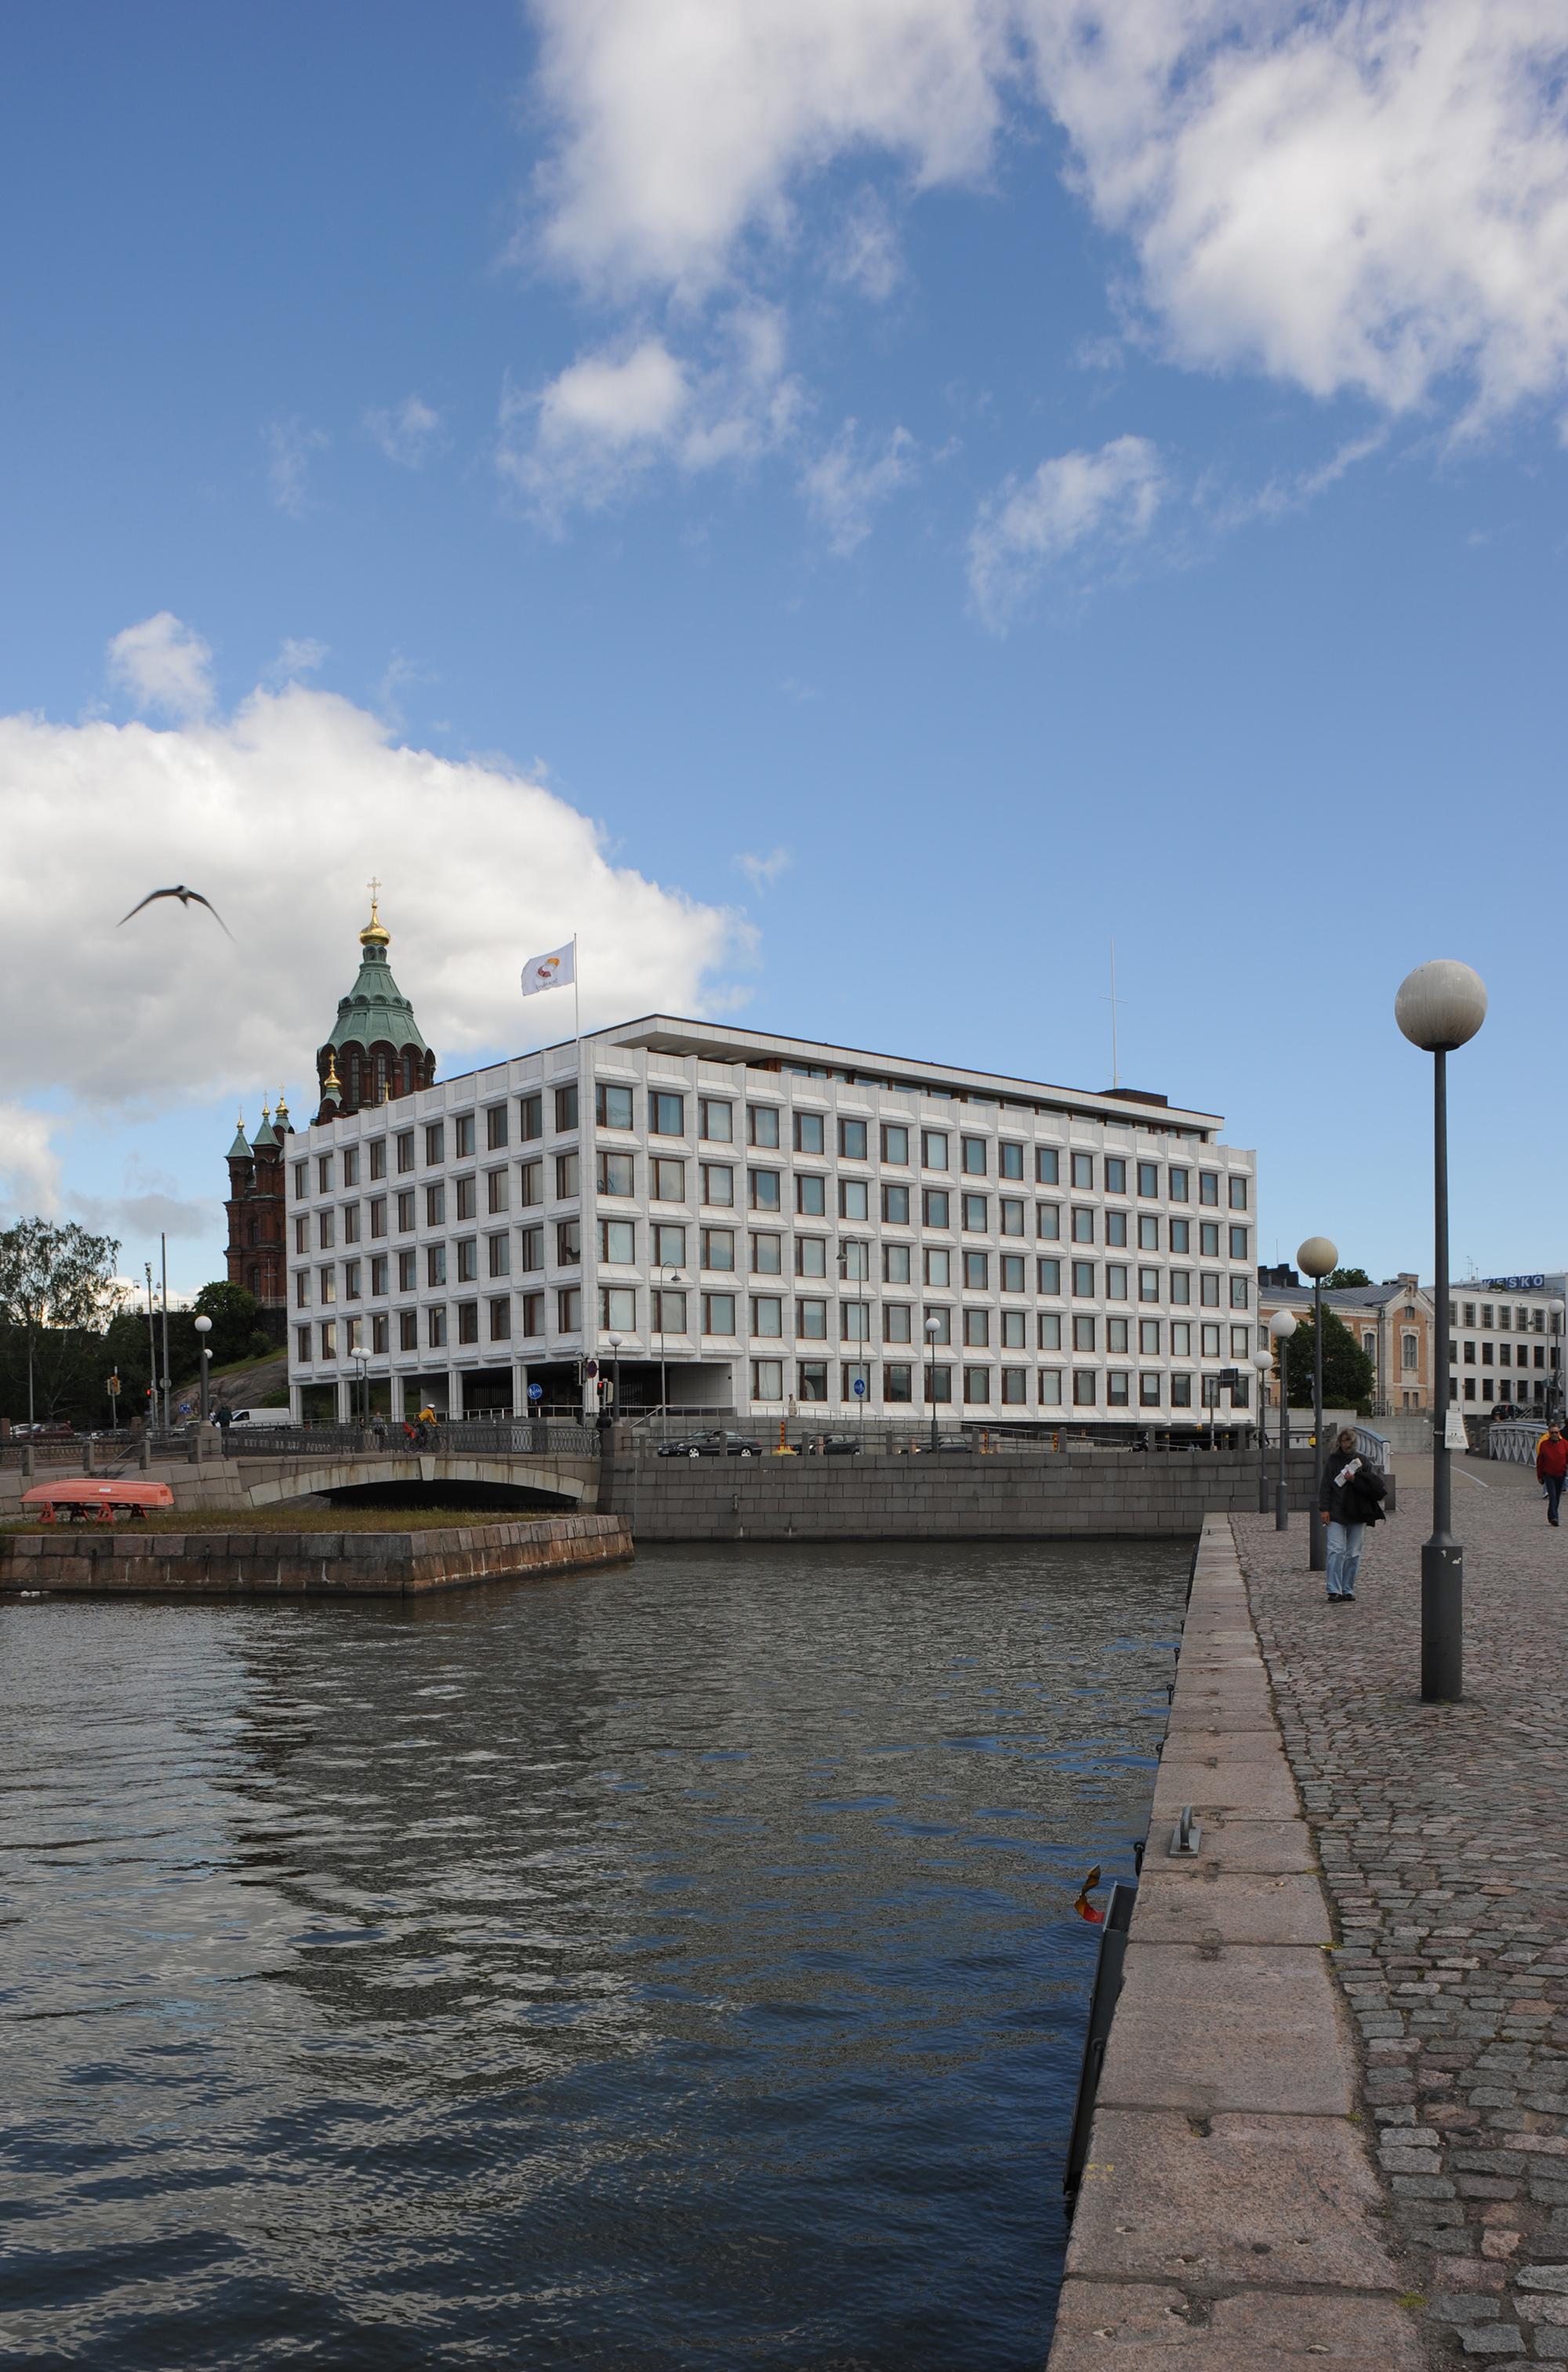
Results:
x,y
936,1325
669,1244
1116,1388
1237,1192
618,1242
1116,1229
497,1191
467,1260
532,1314
666,1113
898,1384
717,1181
809,1134
971,1155
938,1266
468,1321
811,1379
1048,1276
1083,1333
1115,1174
1082,1387
767,1255
854,1198
1012,1276
767,1379
811,1320
1240,1292
436,1327
767,1314
1048,1222
500,1255
977,1272
977,1386
1050,1388
668,1182
1208,1186
895,1147
716,1122
1009,1160
1115,1281
669,1310
977,1328
618,1308
1013,1335
1083,1280
1082,1173
1049,1328
1148,1390
811,1256
1083,1225
762,1125
434,1144
811,1195
896,1322
404,1142
568,1175
462,1136
569,1309
976,1214
565,1108
1116,1333
530,1117
854,1322
933,1148
936,1205
852,1140
1178,1185
613,1106
467,1191
568,1243
896,1264
1047,1166
764,1186
896,1205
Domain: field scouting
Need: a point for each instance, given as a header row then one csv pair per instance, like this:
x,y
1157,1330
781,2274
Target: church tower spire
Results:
x,y
375,1049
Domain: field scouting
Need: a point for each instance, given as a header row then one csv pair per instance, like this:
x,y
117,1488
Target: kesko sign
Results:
x,y
1513,1283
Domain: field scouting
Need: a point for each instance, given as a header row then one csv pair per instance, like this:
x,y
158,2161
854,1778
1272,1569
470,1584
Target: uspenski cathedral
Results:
x,y
373,1053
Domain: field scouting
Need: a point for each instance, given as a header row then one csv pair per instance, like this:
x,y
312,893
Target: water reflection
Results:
x,y
668,1967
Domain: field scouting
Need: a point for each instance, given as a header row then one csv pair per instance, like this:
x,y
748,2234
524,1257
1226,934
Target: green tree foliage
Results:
x,y
1349,1379
236,1322
1341,1276
57,1294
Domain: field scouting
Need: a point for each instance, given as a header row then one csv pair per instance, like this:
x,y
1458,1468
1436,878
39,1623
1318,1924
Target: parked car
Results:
x,y
712,1445
959,1441
840,1444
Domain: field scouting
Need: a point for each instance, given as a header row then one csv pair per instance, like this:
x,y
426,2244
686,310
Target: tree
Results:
x,y
57,1293
1349,1379
237,1321
1346,1276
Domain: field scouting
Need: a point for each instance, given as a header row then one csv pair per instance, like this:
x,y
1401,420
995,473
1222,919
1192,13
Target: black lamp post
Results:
x,y
204,1328
933,1328
1440,1007
1320,1258
1282,1326
1263,1363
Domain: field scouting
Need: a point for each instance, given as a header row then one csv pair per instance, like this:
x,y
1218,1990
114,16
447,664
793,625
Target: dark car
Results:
x,y
712,1445
958,1441
840,1444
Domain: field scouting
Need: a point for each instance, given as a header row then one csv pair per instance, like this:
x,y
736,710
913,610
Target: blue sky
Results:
x,y
851,506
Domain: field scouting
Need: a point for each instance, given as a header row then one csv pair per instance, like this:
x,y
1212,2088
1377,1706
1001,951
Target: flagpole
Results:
x,y
577,1008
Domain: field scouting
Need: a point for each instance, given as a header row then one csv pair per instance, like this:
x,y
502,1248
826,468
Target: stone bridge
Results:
x,y
571,1481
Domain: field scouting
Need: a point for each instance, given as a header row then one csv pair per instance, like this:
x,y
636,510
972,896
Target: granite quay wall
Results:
x,y
117,1563
1064,1494
1230,2219
240,1482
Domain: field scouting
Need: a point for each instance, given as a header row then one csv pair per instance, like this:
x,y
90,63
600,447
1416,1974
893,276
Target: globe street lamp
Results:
x,y
933,1328
204,1328
1439,1007
1556,1355
669,1276
1262,1360
1320,1258
1282,1326
615,1378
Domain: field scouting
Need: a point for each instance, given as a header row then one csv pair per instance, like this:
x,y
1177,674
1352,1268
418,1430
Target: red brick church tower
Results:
x,y
257,1253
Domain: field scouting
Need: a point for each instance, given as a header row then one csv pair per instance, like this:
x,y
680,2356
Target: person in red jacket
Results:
x,y
1552,1467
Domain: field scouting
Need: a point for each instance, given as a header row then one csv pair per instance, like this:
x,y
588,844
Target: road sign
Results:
x,y
536,1391
592,1367
114,1388
860,1387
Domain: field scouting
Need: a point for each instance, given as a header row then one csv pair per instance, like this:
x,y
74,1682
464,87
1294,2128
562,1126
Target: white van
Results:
x,y
262,1416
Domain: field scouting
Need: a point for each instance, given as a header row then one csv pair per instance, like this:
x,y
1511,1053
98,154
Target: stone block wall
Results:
x,y
1064,1494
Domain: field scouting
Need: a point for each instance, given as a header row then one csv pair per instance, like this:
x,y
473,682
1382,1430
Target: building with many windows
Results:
x,y
727,1220
1392,1322
1505,1345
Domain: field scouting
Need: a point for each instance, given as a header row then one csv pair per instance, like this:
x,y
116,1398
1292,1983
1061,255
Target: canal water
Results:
x,y
673,1965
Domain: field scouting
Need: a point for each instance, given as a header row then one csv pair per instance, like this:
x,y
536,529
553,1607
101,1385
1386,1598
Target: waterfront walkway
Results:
x,y
1443,1833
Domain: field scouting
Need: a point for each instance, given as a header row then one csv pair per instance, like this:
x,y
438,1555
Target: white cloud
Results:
x,y
1361,196
408,433
163,665
610,417
480,864
763,871
29,1166
864,253
684,127
844,486
1109,496
299,655
138,1218
290,444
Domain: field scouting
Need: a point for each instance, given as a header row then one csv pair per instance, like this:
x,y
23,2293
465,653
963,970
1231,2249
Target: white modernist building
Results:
x,y
729,1221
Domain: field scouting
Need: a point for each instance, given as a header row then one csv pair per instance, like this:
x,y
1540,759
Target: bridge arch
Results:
x,y
573,1482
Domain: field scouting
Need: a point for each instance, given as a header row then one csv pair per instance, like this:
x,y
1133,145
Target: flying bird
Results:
x,y
185,896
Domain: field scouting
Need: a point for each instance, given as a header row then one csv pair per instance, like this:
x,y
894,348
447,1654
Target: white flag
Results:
x,y
557,970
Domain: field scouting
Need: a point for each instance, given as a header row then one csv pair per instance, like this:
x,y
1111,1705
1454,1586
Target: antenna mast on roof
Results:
x,y
1115,1057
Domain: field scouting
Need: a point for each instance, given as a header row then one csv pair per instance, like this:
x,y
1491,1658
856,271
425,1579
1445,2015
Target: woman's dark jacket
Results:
x,y
1359,1500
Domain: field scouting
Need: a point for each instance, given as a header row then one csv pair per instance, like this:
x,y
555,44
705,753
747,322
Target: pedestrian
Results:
x,y
1551,1467
1350,1497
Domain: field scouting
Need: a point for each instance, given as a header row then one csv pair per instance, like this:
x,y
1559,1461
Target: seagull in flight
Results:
x,y
185,896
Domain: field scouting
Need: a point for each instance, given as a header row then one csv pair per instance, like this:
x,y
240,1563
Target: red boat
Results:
x,y
83,1500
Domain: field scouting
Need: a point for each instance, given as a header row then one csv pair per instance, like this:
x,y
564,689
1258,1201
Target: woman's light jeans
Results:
x,y
1344,1557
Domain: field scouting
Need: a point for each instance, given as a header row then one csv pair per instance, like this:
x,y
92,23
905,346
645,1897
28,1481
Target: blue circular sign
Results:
x,y
536,1391
860,1387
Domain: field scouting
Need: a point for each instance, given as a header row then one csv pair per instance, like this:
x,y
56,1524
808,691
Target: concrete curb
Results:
x,y
1229,2212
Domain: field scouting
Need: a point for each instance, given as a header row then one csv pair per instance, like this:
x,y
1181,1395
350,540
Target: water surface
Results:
x,y
673,1965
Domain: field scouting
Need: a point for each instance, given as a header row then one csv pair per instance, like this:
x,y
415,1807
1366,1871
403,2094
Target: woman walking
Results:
x,y
1350,1498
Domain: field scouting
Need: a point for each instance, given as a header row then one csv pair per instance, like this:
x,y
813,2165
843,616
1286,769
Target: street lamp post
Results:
x,y
1262,1362
1282,1326
1320,1258
933,1328
615,1378
1556,1355
1439,1007
669,1274
361,1390
204,1328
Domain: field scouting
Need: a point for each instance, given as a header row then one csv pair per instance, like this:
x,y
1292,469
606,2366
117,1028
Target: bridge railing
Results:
x,y
1512,1442
461,1437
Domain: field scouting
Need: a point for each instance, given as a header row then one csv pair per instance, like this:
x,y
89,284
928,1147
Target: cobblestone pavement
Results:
x,y
1444,1836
